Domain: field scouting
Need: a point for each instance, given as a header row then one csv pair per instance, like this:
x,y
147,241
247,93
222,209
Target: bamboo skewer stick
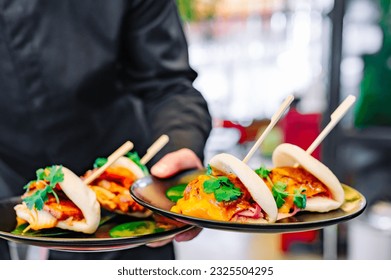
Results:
x,y
335,117
155,148
126,147
275,118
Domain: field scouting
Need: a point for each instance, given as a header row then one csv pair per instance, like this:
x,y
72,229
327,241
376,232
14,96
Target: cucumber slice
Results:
x,y
175,192
133,229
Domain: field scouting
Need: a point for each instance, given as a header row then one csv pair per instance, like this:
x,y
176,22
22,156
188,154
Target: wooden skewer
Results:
x,y
155,148
335,117
276,117
126,147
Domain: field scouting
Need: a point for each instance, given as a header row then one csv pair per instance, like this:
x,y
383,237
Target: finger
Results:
x,y
159,243
188,235
185,236
174,162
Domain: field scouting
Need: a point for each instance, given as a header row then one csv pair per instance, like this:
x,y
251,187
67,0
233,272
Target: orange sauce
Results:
x,y
197,203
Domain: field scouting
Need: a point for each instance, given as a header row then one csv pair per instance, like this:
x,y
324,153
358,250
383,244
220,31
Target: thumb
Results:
x,y
175,162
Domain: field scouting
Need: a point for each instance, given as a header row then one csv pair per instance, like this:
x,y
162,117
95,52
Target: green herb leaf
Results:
x,y
226,193
36,200
279,193
136,159
55,175
299,198
99,162
223,189
211,185
224,181
40,174
52,176
263,172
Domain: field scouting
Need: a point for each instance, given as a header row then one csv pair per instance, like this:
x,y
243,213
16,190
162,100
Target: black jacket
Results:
x,y
79,78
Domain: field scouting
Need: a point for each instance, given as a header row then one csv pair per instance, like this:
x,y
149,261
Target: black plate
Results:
x,y
62,240
150,192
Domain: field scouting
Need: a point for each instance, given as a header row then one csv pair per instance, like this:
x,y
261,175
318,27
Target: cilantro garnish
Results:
x,y
262,172
279,193
99,162
299,198
223,188
51,176
227,193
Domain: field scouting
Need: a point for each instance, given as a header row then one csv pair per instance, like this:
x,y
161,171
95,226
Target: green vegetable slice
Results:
x,y
175,192
134,229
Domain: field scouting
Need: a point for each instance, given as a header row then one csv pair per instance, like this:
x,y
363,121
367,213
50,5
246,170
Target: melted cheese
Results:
x,y
197,203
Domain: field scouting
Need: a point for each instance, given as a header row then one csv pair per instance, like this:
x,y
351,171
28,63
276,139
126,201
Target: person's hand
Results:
x,y
175,162
168,166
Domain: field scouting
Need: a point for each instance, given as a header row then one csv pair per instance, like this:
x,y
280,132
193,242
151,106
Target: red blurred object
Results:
x,y
242,130
301,130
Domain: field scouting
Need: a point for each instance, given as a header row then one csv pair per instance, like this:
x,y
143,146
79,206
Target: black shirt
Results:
x,y
79,78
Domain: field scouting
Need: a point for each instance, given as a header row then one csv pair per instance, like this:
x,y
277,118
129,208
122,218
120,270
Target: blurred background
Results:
x,y
251,54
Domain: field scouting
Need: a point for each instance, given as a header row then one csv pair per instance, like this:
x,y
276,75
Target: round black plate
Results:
x,y
79,242
150,192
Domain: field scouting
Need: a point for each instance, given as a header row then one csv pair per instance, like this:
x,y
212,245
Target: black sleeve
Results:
x,y
158,72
